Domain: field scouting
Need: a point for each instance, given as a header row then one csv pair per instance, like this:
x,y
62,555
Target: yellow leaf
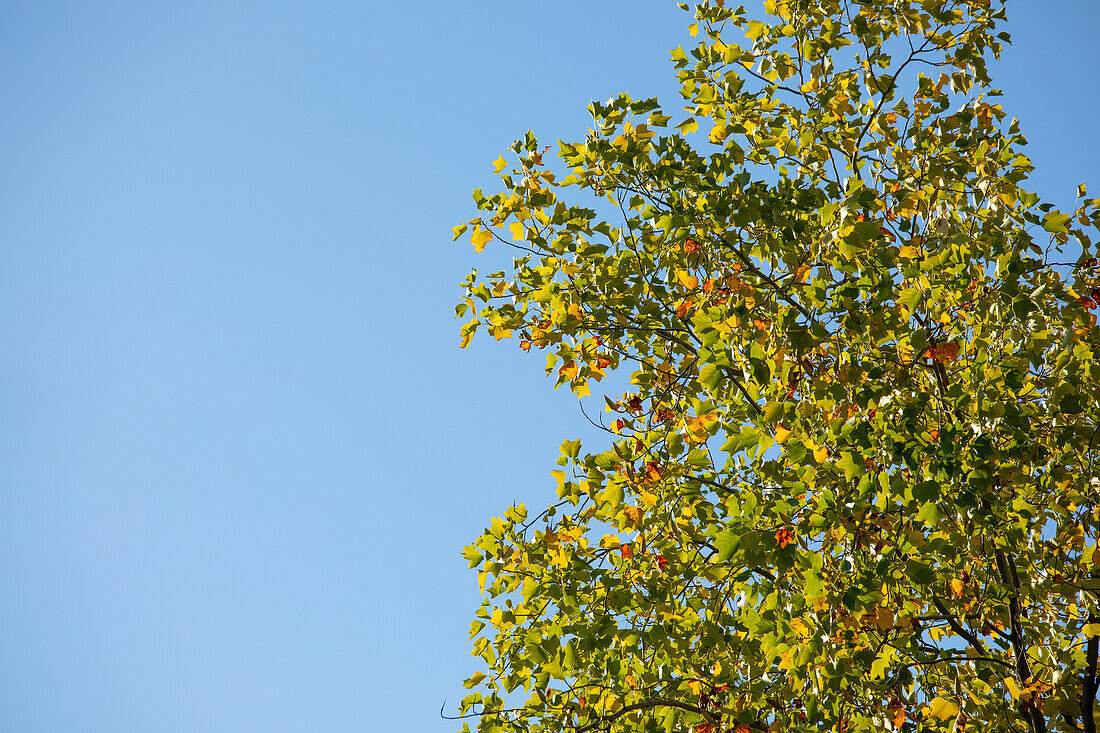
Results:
x,y
633,516
781,434
957,586
480,238
801,628
942,708
475,679
821,455
518,232
688,281
718,133
908,251
1013,688
498,164
1091,630
467,333
884,618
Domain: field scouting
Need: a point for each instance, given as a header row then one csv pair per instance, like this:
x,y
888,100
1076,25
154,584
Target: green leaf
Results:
x,y
880,665
688,126
1071,404
472,554
613,493
930,513
1055,222
726,542
926,491
919,572
852,465
746,438
909,298
709,377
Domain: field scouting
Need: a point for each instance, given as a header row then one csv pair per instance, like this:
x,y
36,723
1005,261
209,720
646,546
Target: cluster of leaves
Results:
x,y
853,484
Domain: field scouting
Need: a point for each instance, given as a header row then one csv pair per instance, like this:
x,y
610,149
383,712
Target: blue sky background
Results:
x,y
239,448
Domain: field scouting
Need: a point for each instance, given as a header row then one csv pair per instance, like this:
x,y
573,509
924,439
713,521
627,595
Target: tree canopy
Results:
x,y
852,484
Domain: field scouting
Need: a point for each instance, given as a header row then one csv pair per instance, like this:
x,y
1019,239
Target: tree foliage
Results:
x,y
853,483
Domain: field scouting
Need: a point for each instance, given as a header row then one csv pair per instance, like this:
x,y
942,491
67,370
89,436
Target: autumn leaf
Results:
x,y
686,279
944,352
897,714
479,238
475,679
942,708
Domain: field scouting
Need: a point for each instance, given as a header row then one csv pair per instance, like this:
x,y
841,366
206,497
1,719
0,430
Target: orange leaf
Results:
x,y
943,352
781,434
634,515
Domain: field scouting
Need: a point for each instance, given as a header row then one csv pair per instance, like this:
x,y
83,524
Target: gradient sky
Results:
x,y
239,448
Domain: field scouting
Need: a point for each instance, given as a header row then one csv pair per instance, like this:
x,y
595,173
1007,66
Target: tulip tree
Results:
x,y
853,481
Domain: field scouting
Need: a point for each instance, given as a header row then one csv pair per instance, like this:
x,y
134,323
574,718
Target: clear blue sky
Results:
x,y
239,449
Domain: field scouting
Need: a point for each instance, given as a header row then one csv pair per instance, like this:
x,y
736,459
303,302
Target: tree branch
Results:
x,y
958,628
648,705
1088,691
1007,570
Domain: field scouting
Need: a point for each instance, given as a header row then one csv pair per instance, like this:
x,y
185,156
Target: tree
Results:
x,y
853,482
